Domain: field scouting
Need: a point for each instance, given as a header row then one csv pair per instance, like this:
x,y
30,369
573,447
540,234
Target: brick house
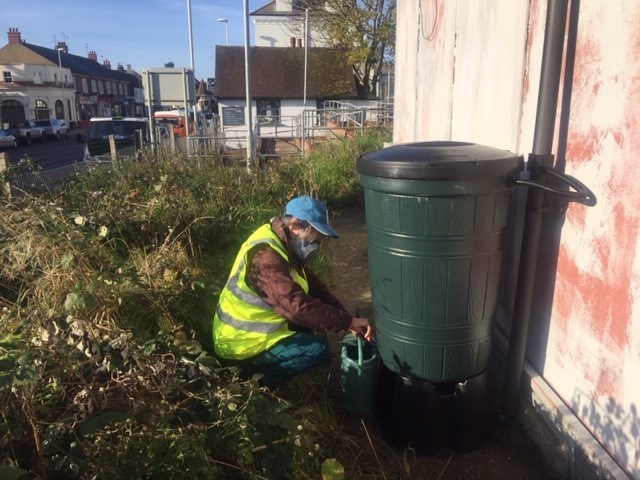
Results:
x,y
40,82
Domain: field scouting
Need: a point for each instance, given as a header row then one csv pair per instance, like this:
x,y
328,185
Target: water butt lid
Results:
x,y
442,160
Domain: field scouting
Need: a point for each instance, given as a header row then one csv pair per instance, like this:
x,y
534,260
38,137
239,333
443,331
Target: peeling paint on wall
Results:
x,y
593,344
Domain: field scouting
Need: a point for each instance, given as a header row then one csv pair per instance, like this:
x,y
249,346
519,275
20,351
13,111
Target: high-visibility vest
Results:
x,y
244,324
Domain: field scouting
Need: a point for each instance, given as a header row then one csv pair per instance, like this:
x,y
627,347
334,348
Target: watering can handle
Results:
x,y
359,340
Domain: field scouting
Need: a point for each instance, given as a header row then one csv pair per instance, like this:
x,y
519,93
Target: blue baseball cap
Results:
x,y
313,211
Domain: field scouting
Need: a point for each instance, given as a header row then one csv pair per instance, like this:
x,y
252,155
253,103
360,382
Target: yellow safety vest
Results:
x,y
244,324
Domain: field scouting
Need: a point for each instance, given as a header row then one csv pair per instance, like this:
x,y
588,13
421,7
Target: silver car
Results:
x,y
54,128
7,140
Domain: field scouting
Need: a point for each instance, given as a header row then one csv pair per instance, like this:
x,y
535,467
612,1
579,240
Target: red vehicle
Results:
x,y
175,119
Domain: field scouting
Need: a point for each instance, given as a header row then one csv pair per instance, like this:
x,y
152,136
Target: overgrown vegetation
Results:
x,y
107,293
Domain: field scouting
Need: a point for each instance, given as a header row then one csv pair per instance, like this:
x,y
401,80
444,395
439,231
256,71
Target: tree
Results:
x,y
364,28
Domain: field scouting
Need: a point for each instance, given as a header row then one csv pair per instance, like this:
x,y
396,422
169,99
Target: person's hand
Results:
x,y
361,326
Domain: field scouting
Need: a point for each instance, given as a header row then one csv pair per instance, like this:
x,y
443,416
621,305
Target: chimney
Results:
x,y
120,67
292,41
14,36
107,64
93,56
62,46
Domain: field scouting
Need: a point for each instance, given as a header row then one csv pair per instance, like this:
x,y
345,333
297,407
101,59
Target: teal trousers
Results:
x,y
288,358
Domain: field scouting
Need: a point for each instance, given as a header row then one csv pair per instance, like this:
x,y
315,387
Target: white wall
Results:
x,y
460,72
277,31
470,71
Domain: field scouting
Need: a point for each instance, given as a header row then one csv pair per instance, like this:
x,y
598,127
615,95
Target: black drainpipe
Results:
x,y
539,161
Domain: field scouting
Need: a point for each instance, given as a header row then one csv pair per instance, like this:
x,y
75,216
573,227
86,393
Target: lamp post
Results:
x,y
60,66
226,28
247,80
306,54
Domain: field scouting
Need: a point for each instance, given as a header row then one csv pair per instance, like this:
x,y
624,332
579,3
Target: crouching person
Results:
x,y
272,303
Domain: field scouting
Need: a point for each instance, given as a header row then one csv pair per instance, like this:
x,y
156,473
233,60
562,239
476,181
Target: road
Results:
x,y
49,154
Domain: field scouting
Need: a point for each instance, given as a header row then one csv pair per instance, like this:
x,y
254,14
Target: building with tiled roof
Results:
x,y
279,73
279,93
39,83
290,78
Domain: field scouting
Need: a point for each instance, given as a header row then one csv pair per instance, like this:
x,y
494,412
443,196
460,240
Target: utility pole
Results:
x,y
247,73
60,66
306,54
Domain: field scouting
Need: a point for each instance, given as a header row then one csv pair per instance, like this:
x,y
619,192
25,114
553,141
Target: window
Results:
x,y
7,77
268,110
108,88
41,104
94,86
100,87
85,86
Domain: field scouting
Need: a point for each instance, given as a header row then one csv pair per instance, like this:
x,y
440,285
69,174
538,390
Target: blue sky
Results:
x,y
142,33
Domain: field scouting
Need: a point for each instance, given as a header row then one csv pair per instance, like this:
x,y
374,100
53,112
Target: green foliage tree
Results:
x,y
364,28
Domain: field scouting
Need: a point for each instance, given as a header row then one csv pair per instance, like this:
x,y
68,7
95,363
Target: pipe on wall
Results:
x,y
540,159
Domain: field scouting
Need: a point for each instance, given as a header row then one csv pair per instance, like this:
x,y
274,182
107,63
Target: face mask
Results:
x,y
304,249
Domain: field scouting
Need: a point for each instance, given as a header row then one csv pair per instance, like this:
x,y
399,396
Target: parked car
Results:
x,y
54,128
26,131
124,130
7,140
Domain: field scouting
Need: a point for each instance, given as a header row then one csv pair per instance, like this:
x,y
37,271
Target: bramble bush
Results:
x,y
108,288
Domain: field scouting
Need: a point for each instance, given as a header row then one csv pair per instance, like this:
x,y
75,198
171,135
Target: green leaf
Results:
x,y
7,472
7,363
207,360
193,347
6,380
98,422
332,469
77,300
26,374
67,260
73,302
148,347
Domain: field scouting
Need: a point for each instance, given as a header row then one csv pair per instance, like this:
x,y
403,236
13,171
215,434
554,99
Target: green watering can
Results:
x,y
359,372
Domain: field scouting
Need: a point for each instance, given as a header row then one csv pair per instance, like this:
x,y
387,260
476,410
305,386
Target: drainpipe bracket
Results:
x,y
536,160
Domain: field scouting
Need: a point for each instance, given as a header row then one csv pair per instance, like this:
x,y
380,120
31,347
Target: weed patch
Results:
x,y
108,289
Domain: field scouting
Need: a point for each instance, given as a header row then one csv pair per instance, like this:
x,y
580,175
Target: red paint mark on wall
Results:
x,y
604,299
608,296
582,147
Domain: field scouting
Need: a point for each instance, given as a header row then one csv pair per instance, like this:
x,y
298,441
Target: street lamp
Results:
x,y
226,27
60,65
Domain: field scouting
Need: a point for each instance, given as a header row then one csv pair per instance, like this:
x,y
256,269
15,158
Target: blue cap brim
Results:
x,y
324,229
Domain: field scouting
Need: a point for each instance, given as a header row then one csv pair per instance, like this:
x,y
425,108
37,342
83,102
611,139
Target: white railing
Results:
x,y
337,119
